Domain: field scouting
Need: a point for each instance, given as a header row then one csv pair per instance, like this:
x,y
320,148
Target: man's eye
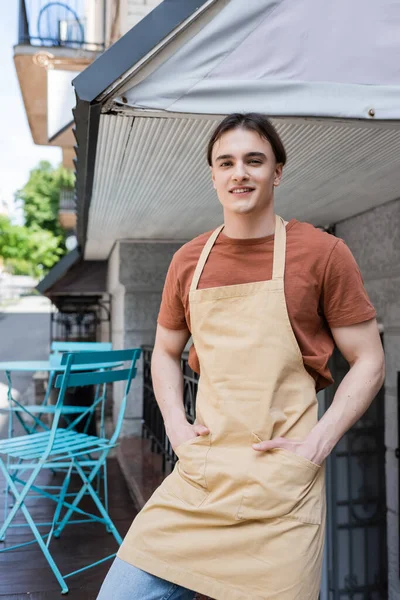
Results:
x,y
225,164
257,162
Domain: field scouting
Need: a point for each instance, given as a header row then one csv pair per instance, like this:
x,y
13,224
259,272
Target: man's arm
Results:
x,y
362,348
167,378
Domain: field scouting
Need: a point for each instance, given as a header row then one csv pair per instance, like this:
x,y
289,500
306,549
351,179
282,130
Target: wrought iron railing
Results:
x,y
79,318
356,492
67,200
153,424
44,23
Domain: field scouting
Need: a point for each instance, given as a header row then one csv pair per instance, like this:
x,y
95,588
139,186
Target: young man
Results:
x,y
242,516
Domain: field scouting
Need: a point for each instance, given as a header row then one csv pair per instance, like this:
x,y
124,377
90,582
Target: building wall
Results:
x,y
133,11
94,24
136,278
374,239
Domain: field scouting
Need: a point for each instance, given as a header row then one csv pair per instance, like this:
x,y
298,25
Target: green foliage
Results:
x,y
32,249
28,252
40,196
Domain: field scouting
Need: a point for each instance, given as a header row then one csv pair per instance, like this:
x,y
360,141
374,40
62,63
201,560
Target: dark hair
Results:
x,y
252,122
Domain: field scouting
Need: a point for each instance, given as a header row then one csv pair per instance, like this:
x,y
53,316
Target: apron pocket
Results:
x,y
188,480
283,484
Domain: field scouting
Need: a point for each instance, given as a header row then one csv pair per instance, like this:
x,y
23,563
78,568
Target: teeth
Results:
x,y
242,191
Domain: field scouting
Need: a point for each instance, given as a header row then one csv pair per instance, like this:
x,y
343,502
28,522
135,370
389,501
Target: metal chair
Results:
x,y
70,450
80,346
34,417
34,411
58,348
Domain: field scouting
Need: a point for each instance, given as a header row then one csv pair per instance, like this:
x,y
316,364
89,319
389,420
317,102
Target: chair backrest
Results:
x,y
80,346
100,364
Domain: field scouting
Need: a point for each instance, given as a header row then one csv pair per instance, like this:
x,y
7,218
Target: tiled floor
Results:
x,y
25,574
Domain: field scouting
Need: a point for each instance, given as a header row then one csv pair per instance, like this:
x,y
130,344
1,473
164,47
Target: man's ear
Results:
x,y
278,174
213,177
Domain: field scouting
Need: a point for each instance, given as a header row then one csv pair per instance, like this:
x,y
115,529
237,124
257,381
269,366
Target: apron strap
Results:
x,y
203,257
278,270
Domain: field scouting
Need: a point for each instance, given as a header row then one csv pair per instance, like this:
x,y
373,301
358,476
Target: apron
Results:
x,y
230,522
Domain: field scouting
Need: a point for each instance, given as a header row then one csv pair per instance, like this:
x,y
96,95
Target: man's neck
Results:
x,y
247,226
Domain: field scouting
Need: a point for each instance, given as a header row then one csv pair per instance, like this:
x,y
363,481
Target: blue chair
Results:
x,y
33,417
34,411
66,449
58,348
80,346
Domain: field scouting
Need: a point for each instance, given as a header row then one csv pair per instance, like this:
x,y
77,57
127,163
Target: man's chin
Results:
x,y
242,209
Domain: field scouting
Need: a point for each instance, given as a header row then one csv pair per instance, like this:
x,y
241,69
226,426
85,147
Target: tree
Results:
x,y
28,252
41,194
33,248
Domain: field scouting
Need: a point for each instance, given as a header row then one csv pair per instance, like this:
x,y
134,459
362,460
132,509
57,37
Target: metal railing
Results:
x,y
44,23
67,200
153,424
397,454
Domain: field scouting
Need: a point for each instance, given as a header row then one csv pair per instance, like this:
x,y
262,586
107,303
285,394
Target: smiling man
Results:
x,y
242,516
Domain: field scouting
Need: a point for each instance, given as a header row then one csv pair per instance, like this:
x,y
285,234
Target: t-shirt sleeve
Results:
x,y
344,298
172,311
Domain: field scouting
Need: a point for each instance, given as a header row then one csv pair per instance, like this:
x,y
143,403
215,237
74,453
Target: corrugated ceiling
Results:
x,y
152,181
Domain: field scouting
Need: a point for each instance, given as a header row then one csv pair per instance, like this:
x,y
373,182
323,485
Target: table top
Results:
x,y
31,366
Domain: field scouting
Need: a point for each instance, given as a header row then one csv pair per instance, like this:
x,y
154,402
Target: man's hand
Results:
x,y
302,448
183,433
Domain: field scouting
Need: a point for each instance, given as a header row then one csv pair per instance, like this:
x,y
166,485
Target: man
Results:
x,y
242,516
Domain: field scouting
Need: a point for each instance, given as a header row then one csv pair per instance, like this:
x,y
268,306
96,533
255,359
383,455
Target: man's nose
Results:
x,y
240,172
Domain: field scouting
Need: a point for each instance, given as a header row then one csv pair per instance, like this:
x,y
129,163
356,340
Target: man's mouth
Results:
x,y
241,190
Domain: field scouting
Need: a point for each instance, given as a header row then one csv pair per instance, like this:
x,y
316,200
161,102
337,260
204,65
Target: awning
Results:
x,y
285,59
73,276
327,74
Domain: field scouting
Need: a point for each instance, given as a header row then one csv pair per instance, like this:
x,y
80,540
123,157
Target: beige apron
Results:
x,y
230,522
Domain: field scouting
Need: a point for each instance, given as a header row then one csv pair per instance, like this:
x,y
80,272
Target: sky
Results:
x,y
18,153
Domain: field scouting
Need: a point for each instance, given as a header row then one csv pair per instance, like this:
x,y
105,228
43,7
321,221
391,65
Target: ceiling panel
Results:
x,y
152,180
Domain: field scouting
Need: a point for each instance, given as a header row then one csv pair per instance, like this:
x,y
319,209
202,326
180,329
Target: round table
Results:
x,y
53,367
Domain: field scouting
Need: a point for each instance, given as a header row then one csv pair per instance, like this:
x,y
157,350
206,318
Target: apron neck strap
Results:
x,y
278,270
203,257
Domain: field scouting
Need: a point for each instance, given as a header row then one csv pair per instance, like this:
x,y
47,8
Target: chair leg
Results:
x,y
96,500
20,497
78,497
20,504
60,504
105,489
86,483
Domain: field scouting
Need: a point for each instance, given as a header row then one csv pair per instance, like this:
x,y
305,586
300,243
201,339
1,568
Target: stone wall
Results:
x,y
374,239
136,278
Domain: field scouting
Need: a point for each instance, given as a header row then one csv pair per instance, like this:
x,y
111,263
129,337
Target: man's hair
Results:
x,y
252,122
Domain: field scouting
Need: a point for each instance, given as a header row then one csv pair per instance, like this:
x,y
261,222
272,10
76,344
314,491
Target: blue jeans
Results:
x,y
126,582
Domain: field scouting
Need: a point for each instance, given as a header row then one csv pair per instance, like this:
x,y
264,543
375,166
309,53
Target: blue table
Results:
x,y
52,366
31,366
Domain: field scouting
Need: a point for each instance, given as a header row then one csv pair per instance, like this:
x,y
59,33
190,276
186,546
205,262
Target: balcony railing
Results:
x,y
67,200
44,23
153,424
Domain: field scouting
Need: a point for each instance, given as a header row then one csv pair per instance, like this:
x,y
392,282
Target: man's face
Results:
x,y
244,171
